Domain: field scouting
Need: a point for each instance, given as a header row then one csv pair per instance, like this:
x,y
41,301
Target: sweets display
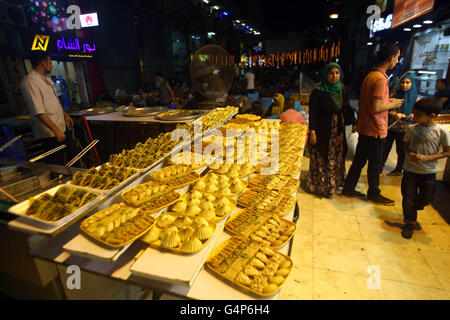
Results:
x,y
65,201
251,265
104,178
204,205
261,226
117,225
220,185
180,233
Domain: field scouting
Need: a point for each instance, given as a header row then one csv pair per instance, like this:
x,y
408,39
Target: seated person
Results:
x,y
139,98
153,98
277,106
105,96
292,115
257,109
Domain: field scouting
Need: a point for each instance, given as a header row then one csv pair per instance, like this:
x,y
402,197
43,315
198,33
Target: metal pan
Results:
x,y
97,111
144,112
178,115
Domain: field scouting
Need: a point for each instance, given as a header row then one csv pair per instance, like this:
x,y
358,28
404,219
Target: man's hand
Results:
x,y
399,115
60,136
312,138
396,103
69,120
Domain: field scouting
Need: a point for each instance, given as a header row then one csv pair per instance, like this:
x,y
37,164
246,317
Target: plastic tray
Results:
x,y
21,208
223,245
178,250
242,235
116,245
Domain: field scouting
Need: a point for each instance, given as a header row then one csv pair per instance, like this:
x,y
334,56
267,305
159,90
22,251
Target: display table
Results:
x,y
185,276
119,117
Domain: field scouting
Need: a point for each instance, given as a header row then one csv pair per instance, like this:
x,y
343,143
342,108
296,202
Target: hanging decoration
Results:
x,y
307,56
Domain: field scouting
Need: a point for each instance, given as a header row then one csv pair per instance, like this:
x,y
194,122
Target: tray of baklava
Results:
x,y
250,265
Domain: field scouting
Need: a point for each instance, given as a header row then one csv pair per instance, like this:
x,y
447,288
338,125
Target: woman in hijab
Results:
x,y
329,112
408,92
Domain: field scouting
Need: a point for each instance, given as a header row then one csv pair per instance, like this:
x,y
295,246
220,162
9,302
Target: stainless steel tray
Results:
x,y
178,115
144,112
97,111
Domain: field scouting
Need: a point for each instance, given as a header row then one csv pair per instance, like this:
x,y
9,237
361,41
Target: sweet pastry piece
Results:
x,y
180,233
233,170
191,244
179,207
190,159
65,201
208,214
192,210
117,225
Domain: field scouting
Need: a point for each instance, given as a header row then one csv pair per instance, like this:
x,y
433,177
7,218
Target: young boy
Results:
x,y
422,144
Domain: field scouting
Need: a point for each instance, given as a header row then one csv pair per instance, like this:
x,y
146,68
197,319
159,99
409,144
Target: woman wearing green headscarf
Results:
x,y
330,111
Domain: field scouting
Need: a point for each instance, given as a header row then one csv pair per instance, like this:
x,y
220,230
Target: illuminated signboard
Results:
x,y
89,20
380,25
64,47
406,10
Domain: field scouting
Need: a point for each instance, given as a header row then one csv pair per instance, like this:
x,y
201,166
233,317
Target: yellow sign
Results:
x,y
40,42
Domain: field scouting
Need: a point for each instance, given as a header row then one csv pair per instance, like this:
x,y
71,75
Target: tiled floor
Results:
x,y
338,242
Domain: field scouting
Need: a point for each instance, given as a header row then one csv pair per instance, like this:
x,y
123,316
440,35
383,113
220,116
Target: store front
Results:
x,y
430,57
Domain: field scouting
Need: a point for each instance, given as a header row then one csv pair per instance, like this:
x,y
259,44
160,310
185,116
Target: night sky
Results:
x,y
292,15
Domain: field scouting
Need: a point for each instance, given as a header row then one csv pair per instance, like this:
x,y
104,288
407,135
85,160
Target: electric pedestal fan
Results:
x,y
212,75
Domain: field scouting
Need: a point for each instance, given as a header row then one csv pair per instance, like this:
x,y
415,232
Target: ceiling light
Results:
x,y
369,43
428,22
417,26
406,29
238,21
427,72
334,16
206,1
216,7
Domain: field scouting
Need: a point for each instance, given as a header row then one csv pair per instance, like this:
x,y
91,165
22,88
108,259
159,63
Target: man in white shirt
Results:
x,y
49,122
250,79
121,93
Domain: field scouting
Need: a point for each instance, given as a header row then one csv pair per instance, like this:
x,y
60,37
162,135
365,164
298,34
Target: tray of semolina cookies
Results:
x,y
151,196
265,199
117,225
250,265
180,233
220,185
204,205
283,184
233,170
261,226
175,176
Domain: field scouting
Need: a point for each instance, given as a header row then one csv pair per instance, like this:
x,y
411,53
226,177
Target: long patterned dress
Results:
x,y
325,176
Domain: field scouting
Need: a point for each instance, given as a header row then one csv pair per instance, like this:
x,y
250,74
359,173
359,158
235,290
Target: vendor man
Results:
x,y
49,122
